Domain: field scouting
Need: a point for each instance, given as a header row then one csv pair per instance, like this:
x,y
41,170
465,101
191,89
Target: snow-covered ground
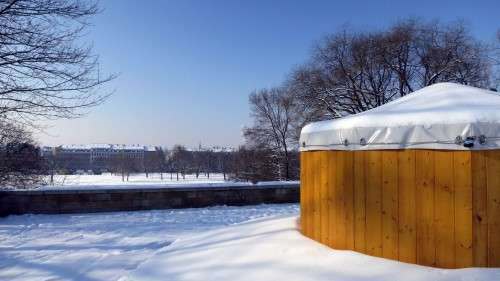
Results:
x,y
135,179
111,181
273,249
218,243
105,246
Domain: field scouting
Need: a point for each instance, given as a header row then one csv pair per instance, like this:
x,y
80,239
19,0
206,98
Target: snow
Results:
x,y
105,246
274,249
154,180
108,179
431,117
218,243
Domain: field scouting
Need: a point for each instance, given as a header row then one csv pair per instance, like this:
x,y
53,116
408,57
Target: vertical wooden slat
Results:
x,y
349,198
340,212
332,223
303,185
322,173
359,201
407,242
316,226
390,204
374,203
463,208
480,215
444,214
309,195
424,176
493,196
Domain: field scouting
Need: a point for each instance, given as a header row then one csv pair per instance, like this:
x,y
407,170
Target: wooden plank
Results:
x,y
424,179
316,225
463,208
493,196
480,214
359,201
332,223
407,242
390,204
310,195
307,194
324,177
339,197
374,203
444,209
303,186
349,198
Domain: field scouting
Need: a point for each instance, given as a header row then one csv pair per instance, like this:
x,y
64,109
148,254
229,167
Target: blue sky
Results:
x,y
186,67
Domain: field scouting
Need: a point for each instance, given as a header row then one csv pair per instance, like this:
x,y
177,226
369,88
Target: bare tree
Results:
x,y
181,160
45,70
274,114
160,161
21,163
351,72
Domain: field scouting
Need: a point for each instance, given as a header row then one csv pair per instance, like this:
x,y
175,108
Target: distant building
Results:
x,y
97,157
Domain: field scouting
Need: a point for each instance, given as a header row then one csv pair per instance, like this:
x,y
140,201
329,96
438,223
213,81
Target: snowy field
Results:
x,y
219,243
106,246
111,181
134,179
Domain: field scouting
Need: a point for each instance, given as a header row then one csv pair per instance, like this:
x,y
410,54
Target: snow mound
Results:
x,y
432,117
274,249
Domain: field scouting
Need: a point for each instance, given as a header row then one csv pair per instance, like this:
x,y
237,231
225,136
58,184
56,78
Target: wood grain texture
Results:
x,y
390,235
407,225
444,207
323,160
332,155
479,208
493,205
424,181
430,207
360,201
463,208
374,203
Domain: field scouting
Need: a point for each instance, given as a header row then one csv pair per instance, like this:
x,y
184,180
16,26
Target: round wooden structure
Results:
x,y
433,207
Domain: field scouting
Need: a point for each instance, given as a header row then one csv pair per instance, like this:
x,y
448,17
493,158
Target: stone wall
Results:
x,y
109,200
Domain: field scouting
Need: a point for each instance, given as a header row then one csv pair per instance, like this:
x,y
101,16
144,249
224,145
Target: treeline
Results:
x,y
352,71
242,164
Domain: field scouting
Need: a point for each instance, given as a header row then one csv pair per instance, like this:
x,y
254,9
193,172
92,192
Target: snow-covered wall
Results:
x,y
109,200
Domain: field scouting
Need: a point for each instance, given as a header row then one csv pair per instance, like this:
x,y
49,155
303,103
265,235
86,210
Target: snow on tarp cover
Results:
x,y
441,116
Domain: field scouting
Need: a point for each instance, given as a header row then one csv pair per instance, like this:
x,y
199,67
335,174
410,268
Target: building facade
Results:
x,y
99,157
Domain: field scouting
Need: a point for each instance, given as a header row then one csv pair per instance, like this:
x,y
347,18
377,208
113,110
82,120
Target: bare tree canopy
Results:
x,y
351,72
275,121
21,164
45,70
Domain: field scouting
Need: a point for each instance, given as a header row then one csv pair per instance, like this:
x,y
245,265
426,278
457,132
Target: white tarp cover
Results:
x,y
441,116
